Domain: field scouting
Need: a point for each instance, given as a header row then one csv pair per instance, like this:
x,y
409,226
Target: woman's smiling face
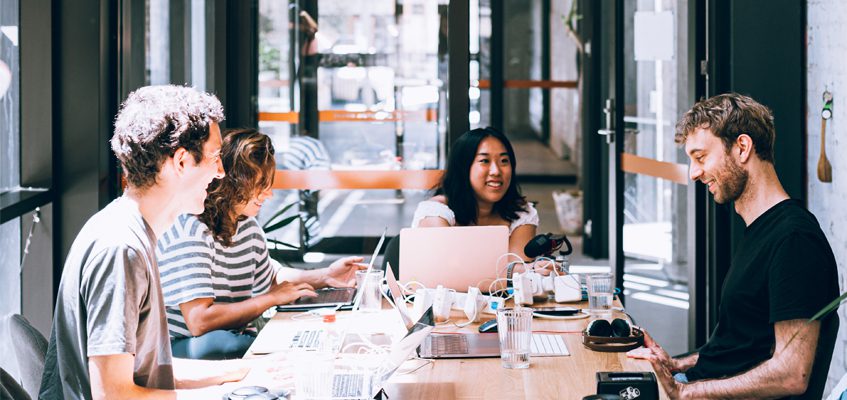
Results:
x,y
491,171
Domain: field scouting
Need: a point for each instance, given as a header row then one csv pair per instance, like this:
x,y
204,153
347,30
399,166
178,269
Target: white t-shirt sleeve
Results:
x,y
431,208
529,216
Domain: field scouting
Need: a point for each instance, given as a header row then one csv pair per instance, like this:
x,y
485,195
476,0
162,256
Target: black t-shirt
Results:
x,y
784,269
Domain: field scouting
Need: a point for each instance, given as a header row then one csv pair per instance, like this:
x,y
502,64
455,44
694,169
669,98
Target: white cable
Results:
x,y
409,294
470,320
499,292
498,271
306,316
550,262
406,288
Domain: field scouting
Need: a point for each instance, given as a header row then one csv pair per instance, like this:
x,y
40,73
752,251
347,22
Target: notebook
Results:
x,y
343,298
435,256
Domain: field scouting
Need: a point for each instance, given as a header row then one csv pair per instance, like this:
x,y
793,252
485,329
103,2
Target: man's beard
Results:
x,y
733,181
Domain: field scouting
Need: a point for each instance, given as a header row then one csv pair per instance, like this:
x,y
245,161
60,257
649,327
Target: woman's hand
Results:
x,y
342,273
287,292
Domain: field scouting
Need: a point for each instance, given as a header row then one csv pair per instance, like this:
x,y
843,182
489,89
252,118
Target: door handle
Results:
x,y
609,131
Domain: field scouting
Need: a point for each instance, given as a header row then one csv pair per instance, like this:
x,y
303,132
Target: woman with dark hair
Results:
x,y
216,274
478,189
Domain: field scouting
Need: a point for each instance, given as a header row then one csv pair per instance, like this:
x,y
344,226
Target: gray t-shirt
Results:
x,y
109,302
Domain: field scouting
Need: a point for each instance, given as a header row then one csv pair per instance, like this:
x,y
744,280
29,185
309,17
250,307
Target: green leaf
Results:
x,y
280,224
277,215
829,307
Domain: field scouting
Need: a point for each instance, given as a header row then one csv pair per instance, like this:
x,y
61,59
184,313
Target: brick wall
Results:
x,y
827,69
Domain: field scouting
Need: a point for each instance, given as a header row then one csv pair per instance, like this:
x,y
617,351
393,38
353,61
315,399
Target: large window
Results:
x,y
176,45
352,85
10,231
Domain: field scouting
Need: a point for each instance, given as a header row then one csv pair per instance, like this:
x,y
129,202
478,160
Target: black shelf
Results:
x,y
16,203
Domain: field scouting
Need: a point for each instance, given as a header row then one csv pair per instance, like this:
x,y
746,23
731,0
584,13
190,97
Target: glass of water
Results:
x,y
600,294
368,283
514,325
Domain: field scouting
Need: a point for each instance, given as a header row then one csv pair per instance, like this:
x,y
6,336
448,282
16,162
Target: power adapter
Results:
x,y
566,288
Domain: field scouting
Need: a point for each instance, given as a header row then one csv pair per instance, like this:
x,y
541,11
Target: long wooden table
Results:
x,y
568,377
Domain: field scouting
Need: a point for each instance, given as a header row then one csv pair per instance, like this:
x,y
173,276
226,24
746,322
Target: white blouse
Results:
x,y
432,208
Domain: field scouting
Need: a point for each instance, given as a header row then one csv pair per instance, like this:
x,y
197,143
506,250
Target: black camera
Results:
x,y
628,385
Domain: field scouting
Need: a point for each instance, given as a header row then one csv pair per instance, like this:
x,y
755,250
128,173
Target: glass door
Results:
x,y
651,214
355,86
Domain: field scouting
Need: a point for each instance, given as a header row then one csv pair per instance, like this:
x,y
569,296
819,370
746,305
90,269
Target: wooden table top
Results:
x,y
568,377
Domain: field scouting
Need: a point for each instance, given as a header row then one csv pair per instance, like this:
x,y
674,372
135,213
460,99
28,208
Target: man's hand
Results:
x,y
342,273
673,388
192,374
287,292
655,354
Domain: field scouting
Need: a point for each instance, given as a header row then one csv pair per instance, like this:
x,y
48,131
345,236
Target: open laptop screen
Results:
x,y
455,257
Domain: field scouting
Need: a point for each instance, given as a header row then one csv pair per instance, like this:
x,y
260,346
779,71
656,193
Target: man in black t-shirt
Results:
x,y
782,273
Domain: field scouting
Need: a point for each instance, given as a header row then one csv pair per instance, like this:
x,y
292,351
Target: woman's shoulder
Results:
x,y
434,207
439,199
527,216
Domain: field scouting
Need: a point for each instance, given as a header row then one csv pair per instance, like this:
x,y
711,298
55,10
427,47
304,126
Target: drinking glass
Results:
x,y
514,325
371,298
600,294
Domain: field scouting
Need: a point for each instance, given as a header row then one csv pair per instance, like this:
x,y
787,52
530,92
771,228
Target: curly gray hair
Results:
x,y
154,122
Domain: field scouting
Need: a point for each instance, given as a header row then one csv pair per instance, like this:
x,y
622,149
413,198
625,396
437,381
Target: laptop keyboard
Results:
x,y
548,345
306,340
449,344
328,296
348,386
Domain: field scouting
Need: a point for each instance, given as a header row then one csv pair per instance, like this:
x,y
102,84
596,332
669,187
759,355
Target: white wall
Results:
x,y
827,69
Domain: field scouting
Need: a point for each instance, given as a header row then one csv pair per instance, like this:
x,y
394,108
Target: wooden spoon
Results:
x,y
824,168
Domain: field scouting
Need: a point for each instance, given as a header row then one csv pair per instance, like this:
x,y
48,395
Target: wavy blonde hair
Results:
x,y
247,156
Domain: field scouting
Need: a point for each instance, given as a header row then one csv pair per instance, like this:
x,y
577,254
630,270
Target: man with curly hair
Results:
x,y
110,337
782,273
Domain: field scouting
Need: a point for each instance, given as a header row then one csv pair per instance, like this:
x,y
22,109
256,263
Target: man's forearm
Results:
x,y
314,277
191,374
786,373
766,381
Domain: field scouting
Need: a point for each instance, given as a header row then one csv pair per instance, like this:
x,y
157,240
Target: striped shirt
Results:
x,y
304,153
193,265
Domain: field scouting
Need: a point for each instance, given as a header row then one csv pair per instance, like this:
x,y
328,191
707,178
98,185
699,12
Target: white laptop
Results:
x,y
342,298
454,257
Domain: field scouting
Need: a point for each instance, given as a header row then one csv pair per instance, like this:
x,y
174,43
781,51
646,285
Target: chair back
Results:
x,y
30,348
392,255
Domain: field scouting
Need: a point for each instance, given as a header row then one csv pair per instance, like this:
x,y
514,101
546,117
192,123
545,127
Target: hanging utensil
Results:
x,y
824,167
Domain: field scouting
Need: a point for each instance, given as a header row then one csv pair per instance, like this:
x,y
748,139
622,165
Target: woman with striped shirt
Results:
x,y
217,276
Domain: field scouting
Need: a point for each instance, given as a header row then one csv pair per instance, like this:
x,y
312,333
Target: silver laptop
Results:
x,y
443,345
342,298
474,345
359,384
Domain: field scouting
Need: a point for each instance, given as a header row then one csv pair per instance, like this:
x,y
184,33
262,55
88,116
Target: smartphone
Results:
x,y
555,311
